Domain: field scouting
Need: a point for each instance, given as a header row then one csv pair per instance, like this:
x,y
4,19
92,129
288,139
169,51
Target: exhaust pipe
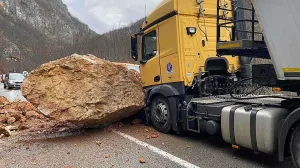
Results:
x,y
246,67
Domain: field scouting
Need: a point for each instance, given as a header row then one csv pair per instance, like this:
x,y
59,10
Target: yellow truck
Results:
x,y
192,54
177,50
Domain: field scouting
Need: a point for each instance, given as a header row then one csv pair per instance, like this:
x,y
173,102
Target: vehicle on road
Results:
x,y
129,66
13,81
2,78
192,82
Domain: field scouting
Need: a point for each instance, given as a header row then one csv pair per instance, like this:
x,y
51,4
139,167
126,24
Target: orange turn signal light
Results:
x,y
235,147
276,89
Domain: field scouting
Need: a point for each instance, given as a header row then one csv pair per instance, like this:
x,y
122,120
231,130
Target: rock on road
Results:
x,y
106,148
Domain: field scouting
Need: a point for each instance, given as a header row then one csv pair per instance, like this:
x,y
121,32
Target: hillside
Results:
x,y
35,31
113,46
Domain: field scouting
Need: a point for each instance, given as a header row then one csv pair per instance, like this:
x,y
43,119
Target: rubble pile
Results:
x,y
21,116
84,90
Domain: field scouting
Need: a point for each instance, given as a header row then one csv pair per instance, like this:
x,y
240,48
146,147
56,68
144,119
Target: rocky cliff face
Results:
x,y
34,31
49,17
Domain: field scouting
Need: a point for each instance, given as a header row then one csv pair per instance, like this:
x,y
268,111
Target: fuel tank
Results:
x,y
254,128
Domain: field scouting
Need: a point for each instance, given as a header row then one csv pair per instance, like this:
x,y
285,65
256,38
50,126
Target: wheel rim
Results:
x,y
295,147
296,152
161,113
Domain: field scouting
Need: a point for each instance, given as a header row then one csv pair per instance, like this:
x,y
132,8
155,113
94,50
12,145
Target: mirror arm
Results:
x,y
143,62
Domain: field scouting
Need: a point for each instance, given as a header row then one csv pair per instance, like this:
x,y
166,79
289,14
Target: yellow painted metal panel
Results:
x,y
229,45
165,7
168,45
291,69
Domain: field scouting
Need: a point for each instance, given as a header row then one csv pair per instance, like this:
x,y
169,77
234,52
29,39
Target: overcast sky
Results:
x,y
105,15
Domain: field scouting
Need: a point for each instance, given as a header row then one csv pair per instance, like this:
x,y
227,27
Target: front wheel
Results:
x,y
161,114
295,146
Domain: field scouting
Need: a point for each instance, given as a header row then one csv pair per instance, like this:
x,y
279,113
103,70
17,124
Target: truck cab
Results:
x,y
177,40
192,57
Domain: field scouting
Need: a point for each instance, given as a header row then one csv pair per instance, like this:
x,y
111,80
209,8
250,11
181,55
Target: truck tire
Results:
x,y
161,118
295,146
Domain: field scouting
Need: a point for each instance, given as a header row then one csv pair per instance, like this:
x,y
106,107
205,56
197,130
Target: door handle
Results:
x,y
157,78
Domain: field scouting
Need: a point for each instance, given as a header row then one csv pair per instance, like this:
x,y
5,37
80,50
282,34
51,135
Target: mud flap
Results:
x,y
174,115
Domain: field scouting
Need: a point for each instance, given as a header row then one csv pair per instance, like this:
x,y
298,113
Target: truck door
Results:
x,y
150,64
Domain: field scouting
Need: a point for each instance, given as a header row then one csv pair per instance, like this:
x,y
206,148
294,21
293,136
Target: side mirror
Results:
x,y
134,51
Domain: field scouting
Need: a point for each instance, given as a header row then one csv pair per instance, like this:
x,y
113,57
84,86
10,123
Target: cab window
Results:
x,y
149,45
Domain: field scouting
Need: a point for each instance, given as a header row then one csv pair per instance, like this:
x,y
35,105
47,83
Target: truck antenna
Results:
x,y
145,12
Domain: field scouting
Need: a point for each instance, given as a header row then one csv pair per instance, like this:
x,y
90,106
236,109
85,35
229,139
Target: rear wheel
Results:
x,y
161,114
295,146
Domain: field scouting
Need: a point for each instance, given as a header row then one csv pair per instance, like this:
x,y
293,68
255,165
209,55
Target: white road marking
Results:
x,y
158,151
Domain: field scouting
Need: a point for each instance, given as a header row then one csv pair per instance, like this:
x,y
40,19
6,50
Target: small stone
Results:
x,y
98,143
107,156
5,132
121,124
68,166
17,117
142,160
31,114
3,119
23,127
146,130
148,137
11,120
68,153
11,128
23,119
136,122
154,136
62,129
17,100
188,146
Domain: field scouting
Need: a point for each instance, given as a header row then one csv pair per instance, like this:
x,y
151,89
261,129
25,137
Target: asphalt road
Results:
x,y
123,147
11,95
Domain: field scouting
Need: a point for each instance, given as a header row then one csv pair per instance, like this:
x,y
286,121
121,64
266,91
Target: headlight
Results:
x,y
191,30
12,82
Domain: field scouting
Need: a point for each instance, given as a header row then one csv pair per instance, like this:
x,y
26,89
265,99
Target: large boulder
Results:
x,y
85,90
